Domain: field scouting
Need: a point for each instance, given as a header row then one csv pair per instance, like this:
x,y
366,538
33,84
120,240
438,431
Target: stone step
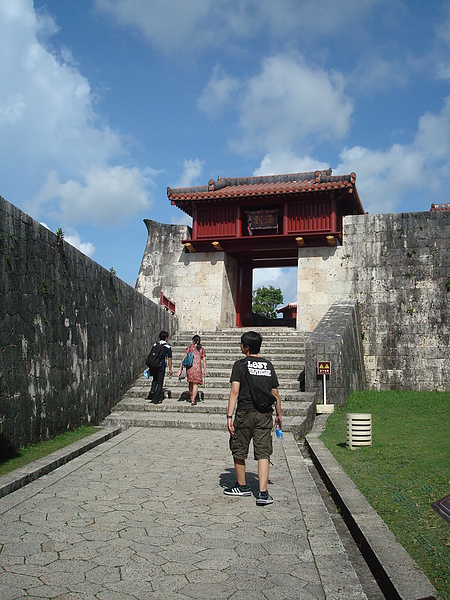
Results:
x,y
218,394
286,382
205,404
236,340
214,382
214,368
284,348
233,343
285,355
287,360
236,333
288,371
195,419
214,386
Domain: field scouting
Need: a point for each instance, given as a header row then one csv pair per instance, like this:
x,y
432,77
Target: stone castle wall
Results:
x,y
73,335
336,338
201,284
397,267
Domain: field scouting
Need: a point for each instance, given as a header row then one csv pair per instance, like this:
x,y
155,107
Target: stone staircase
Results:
x,y
284,347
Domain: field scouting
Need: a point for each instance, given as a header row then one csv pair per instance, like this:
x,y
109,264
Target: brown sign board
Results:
x,y
323,367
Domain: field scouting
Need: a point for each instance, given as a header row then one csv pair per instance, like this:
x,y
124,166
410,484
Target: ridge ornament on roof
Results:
x,y
440,207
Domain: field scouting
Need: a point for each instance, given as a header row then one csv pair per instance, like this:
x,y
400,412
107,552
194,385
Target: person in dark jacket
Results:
x,y
156,394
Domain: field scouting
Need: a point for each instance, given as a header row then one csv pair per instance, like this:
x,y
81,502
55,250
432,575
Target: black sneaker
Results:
x,y
264,498
238,490
150,396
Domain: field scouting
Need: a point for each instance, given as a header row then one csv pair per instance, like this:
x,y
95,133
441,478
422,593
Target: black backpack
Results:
x,y
262,401
155,360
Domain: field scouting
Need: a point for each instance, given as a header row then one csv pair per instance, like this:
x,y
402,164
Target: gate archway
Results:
x,y
262,222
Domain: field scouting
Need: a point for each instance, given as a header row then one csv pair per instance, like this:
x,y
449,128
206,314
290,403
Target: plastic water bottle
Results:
x,y
278,431
147,373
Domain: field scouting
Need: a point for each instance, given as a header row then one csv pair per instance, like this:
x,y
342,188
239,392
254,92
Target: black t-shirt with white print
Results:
x,y
263,374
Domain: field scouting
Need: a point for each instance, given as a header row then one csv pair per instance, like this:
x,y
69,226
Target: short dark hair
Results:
x,y
163,335
252,340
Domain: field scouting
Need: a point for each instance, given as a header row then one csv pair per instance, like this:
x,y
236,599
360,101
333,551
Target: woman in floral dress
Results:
x,y
194,373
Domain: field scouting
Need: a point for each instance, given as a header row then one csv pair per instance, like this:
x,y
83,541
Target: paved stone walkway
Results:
x,y
143,515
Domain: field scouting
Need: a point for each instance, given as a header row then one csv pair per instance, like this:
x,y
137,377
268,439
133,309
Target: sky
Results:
x,y
106,103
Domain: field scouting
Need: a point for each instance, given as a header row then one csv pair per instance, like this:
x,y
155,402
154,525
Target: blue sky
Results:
x,y
105,103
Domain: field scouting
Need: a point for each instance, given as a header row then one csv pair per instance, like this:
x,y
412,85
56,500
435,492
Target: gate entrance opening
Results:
x,y
284,279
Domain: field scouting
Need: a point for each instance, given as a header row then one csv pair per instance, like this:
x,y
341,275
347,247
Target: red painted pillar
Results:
x,y
244,295
285,218
333,218
194,224
238,221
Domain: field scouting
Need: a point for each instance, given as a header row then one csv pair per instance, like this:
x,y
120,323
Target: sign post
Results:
x,y
324,369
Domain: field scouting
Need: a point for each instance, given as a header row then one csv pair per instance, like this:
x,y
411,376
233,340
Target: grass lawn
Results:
x,y
27,454
404,471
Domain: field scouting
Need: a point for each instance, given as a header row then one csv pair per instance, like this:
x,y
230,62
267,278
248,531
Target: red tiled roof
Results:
x,y
314,181
288,305
439,207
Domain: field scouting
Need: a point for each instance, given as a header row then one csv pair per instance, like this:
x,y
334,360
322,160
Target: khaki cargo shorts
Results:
x,y
248,425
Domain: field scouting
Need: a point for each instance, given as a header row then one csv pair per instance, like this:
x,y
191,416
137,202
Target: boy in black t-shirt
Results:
x,y
248,422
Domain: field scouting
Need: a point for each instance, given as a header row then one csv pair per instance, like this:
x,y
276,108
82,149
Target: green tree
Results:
x,y
266,300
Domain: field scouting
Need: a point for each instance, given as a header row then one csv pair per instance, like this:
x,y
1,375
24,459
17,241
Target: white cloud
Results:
x,y
218,93
287,162
382,176
173,24
433,135
288,103
47,100
385,176
74,239
107,196
48,125
192,169
11,109
168,24
314,17
376,73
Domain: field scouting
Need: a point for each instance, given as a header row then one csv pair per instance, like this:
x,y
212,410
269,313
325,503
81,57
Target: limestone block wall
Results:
x,y
322,279
229,287
201,284
336,338
73,336
397,267
202,292
162,256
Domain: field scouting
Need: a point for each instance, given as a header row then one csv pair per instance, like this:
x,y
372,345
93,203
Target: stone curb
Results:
x,y
398,575
20,477
336,572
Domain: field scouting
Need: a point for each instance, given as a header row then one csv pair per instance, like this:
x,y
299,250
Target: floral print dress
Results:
x,y
194,373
